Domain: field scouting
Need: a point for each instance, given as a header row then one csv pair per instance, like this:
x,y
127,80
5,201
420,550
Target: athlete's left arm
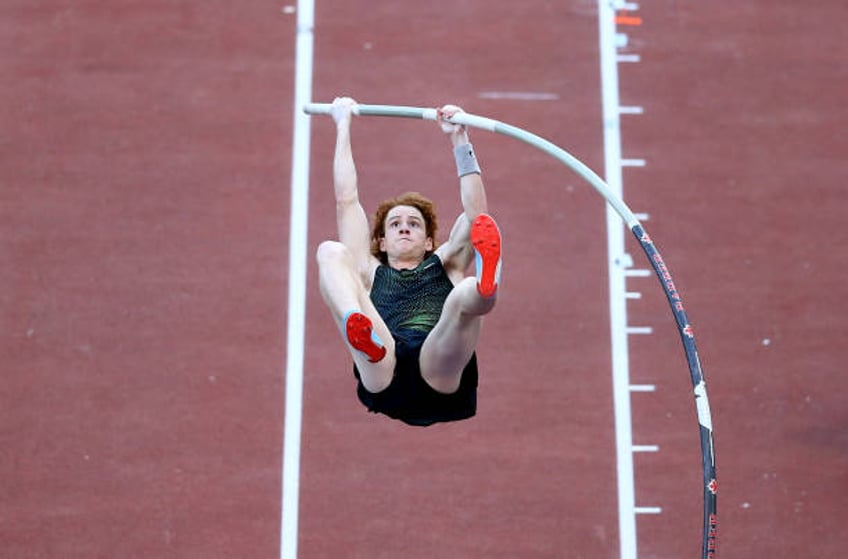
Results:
x,y
457,253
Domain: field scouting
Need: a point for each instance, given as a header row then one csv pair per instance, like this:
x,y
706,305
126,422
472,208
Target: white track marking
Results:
x,y
297,281
609,41
638,273
646,448
518,95
628,58
642,388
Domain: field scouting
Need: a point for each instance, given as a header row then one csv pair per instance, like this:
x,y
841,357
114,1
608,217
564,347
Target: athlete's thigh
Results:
x,y
449,346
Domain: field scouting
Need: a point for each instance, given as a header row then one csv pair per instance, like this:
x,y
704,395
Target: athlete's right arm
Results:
x,y
351,219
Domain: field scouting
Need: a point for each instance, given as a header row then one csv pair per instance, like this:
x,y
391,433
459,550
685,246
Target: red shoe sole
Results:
x,y
486,239
359,329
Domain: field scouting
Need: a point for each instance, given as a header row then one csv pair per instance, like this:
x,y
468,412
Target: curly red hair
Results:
x,y
414,199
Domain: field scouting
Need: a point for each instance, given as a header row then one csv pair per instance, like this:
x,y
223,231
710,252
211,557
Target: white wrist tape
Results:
x,y
466,161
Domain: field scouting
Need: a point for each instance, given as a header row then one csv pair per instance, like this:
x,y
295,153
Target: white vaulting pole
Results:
x,y
298,229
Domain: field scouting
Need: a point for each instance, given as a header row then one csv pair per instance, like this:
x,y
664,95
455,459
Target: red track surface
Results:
x,y
143,234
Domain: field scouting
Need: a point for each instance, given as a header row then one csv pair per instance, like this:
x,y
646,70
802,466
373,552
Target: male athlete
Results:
x,y
405,308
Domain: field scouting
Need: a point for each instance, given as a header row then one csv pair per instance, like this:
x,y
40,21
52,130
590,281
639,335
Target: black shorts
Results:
x,y
410,399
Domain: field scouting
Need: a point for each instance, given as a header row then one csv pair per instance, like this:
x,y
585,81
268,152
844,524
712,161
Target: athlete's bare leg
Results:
x,y
449,346
343,291
452,341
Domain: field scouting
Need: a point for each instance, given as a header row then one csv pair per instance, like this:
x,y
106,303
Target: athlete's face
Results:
x,y
405,234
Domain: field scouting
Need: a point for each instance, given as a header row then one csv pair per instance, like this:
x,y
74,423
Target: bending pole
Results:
x,y
685,330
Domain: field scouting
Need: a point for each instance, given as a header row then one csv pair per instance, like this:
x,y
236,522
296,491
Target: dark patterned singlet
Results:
x,y
410,303
411,299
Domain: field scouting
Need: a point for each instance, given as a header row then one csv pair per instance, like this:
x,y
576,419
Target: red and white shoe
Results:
x,y
361,335
486,239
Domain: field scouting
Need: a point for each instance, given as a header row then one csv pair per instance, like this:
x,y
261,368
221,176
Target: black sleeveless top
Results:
x,y
411,299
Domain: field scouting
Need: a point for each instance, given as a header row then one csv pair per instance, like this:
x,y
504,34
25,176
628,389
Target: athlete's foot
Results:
x,y
361,335
486,239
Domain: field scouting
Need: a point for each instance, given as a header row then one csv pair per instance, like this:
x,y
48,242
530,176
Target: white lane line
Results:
x,y
609,41
298,228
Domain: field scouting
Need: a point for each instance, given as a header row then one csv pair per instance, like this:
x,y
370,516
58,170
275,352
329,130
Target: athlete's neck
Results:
x,y
404,264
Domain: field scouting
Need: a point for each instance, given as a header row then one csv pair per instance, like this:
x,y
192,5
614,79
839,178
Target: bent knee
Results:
x,y
468,301
443,383
376,378
332,251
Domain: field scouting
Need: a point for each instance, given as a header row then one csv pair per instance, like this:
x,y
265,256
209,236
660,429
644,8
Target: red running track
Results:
x,y
143,231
